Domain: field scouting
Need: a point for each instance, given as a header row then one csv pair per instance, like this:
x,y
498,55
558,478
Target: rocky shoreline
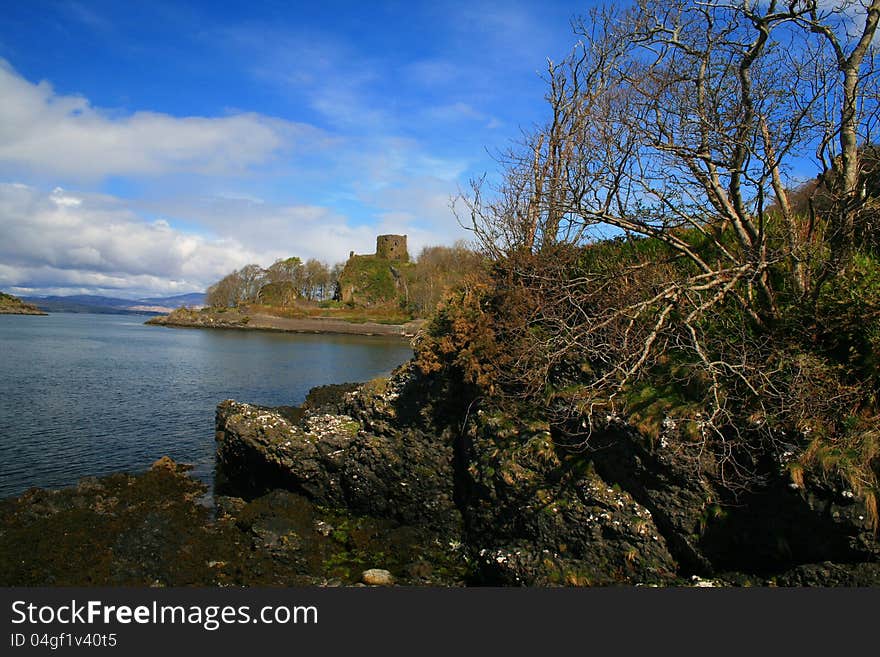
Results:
x,y
22,311
151,530
390,482
233,319
536,516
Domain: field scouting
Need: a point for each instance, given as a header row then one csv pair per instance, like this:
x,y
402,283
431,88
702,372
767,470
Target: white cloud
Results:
x,y
60,198
44,132
338,191
274,231
63,240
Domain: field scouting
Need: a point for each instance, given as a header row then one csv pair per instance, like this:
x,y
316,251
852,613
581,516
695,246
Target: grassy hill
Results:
x,y
368,280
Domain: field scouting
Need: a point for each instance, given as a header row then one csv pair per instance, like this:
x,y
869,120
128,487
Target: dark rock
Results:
x,y
117,530
258,449
380,470
776,527
771,527
678,500
167,463
150,530
831,574
228,506
329,398
536,519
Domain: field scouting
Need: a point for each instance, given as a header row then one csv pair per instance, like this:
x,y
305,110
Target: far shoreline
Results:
x,y
314,325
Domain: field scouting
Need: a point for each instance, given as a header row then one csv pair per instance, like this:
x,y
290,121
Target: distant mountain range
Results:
x,y
89,303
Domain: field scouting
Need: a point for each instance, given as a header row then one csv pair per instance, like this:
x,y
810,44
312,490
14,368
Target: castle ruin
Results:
x,y
373,278
392,247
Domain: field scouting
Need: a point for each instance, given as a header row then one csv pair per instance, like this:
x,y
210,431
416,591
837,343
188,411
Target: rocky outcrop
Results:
x,y
253,321
582,533
765,530
537,517
338,460
190,318
370,450
153,529
406,481
680,503
131,530
830,574
529,511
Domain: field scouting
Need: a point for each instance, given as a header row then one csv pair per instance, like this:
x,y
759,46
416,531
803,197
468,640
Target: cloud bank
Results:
x,y
44,132
63,242
58,241
203,215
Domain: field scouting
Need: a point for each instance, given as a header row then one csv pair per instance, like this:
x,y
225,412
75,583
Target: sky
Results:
x,y
150,148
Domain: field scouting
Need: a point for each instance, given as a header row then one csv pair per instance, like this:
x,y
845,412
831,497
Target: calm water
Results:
x,y
93,394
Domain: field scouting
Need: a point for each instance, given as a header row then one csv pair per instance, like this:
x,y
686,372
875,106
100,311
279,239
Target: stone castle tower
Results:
x,y
373,279
392,247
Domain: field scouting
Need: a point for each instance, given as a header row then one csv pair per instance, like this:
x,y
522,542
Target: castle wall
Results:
x,y
392,247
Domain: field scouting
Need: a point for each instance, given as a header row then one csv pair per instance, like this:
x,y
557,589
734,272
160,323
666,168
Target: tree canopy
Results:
x,y
690,240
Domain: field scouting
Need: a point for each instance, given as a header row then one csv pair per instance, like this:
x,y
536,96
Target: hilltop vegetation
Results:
x,y
656,274
10,305
376,288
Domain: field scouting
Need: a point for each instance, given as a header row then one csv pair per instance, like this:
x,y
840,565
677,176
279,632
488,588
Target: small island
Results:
x,y
266,320
383,293
10,305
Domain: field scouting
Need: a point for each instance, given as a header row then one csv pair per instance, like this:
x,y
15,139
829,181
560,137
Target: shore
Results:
x,y
22,311
264,322
149,529
379,478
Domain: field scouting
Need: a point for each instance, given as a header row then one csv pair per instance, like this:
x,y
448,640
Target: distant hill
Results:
x,y
90,303
191,299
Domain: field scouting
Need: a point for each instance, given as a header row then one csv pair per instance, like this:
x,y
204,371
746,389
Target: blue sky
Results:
x,y
151,147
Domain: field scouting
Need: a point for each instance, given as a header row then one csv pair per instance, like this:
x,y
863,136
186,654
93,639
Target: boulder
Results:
x,y
365,464
377,577
536,519
771,527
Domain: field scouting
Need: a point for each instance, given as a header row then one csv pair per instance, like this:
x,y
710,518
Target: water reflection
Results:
x,y
92,394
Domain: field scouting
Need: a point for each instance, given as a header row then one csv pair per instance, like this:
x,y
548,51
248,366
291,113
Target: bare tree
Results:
x,y
252,278
225,293
315,279
286,270
693,115
681,129
241,286
437,270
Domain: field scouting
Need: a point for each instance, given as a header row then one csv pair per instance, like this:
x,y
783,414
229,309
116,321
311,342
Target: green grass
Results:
x,y
369,280
389,313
